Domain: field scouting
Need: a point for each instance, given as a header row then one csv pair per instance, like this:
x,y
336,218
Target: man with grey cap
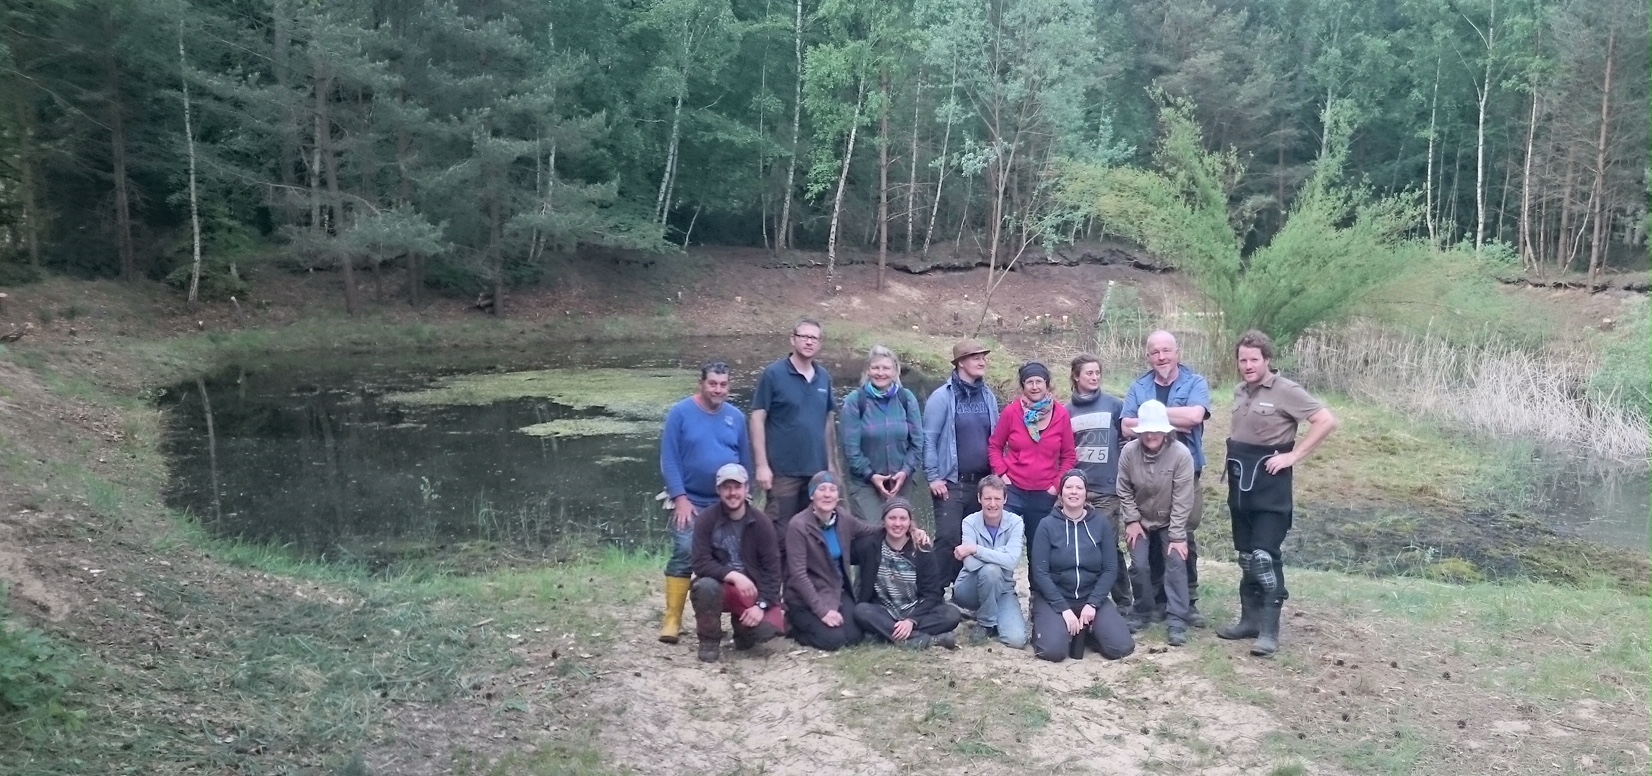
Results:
x,y
958,421
1156,493
736,568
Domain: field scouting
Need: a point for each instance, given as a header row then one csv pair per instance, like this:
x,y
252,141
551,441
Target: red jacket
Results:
x,y
1032,465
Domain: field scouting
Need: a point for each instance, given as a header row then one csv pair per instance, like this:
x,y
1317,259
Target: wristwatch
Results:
x,y
764,605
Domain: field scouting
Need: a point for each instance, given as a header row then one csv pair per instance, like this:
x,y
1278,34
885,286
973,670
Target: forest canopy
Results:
x,y
473,144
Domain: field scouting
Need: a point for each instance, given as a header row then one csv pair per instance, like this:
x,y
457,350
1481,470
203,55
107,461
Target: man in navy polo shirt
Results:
x,y
1187,395
791,424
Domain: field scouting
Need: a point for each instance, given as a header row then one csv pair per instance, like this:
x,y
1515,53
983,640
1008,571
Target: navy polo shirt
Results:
x,y
795,428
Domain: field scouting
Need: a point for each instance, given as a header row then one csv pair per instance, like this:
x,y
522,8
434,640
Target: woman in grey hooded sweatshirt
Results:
x,y
1074,563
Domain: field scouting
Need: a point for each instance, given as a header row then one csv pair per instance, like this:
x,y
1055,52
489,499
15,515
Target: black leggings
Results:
x,y
810,631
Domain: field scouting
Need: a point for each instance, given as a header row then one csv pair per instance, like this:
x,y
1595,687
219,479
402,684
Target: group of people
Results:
x,y
834,557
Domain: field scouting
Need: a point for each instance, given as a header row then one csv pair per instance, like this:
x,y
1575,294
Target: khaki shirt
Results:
x,y
1268,414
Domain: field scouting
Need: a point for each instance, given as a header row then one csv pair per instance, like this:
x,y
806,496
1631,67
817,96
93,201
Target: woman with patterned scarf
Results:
x,y
1031,446
882,435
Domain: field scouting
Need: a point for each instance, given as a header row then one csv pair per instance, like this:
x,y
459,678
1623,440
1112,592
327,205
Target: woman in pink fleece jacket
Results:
x,y
1031,445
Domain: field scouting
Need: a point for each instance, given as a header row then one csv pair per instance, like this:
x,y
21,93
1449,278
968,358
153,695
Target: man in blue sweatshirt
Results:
x,y
1186,394
702,433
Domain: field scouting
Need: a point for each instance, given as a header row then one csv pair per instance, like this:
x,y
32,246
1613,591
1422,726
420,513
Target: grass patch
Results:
x,y
1575,643
300,672
568,428
641,394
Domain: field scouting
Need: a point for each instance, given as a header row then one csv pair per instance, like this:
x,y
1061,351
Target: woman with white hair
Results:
x,y
882,434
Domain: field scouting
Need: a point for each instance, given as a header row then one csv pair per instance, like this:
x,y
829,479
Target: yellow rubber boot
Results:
x,y
676,594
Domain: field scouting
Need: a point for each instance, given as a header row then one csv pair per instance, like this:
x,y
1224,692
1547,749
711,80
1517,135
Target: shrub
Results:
x,y
34,677
1339,242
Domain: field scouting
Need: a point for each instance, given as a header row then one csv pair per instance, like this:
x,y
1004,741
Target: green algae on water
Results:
x,y
636,394
588,427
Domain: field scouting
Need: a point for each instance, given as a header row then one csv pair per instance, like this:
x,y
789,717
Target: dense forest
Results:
x,y
472,144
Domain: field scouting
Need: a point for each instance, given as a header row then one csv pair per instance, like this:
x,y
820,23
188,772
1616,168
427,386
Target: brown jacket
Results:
x,y
759,550
1157,489
812,580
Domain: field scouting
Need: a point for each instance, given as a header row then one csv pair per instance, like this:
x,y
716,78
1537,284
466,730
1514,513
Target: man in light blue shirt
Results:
x,y
1186,394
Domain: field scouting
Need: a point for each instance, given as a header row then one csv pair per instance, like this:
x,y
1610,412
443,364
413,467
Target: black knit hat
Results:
x,y
1079,473
1032,369
898,502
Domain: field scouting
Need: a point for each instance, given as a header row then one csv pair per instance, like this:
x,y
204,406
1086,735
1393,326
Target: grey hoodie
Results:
x,y
1074,561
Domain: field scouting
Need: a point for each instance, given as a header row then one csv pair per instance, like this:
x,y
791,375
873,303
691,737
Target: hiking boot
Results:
x,y
945,641
1267,639
1196,618
982,635
1136,622
918,641
1178,636
709,651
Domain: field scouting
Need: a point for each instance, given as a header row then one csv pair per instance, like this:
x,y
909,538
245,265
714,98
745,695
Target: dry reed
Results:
x,y
1539,396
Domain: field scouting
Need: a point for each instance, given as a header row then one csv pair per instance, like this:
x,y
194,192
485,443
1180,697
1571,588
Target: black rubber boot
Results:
x,y
1267,639
1250,604
1075,650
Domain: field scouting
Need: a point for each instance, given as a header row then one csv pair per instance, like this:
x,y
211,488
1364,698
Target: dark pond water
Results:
x,y
317,455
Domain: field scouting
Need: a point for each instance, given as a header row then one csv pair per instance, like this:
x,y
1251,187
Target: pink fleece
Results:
x,y
1032,465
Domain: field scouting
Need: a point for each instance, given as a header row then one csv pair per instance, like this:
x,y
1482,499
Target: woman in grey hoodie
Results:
x,y
1074,563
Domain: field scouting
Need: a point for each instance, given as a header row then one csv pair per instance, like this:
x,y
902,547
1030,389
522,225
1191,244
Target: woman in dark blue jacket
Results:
x,y
1074,564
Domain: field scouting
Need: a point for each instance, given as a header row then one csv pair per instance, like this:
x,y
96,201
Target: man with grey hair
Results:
x,y
1186,396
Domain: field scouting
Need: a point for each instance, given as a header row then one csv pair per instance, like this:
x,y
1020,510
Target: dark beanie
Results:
x,y
1079,473
897,502
1032,369
819,479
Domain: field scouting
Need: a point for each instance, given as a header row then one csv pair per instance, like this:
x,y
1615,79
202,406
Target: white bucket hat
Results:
x,y
1152,417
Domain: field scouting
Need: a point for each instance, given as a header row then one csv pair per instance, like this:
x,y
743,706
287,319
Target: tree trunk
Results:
x,y
194,191
783,235
496,250
1428,177
289,153
662,201
883,182
1480,162
1597,246
27,181
940,175
117,156
335,199
837,198
1528,257
912,164
1563,239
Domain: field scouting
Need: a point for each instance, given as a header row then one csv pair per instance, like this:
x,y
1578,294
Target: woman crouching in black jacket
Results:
x,y
1074,563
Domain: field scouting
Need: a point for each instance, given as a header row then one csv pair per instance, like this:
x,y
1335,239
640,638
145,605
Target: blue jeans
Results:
x,y
1032,506
991,593
681,563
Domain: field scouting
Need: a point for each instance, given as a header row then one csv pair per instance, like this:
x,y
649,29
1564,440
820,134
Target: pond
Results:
x,y
393,456
397,456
